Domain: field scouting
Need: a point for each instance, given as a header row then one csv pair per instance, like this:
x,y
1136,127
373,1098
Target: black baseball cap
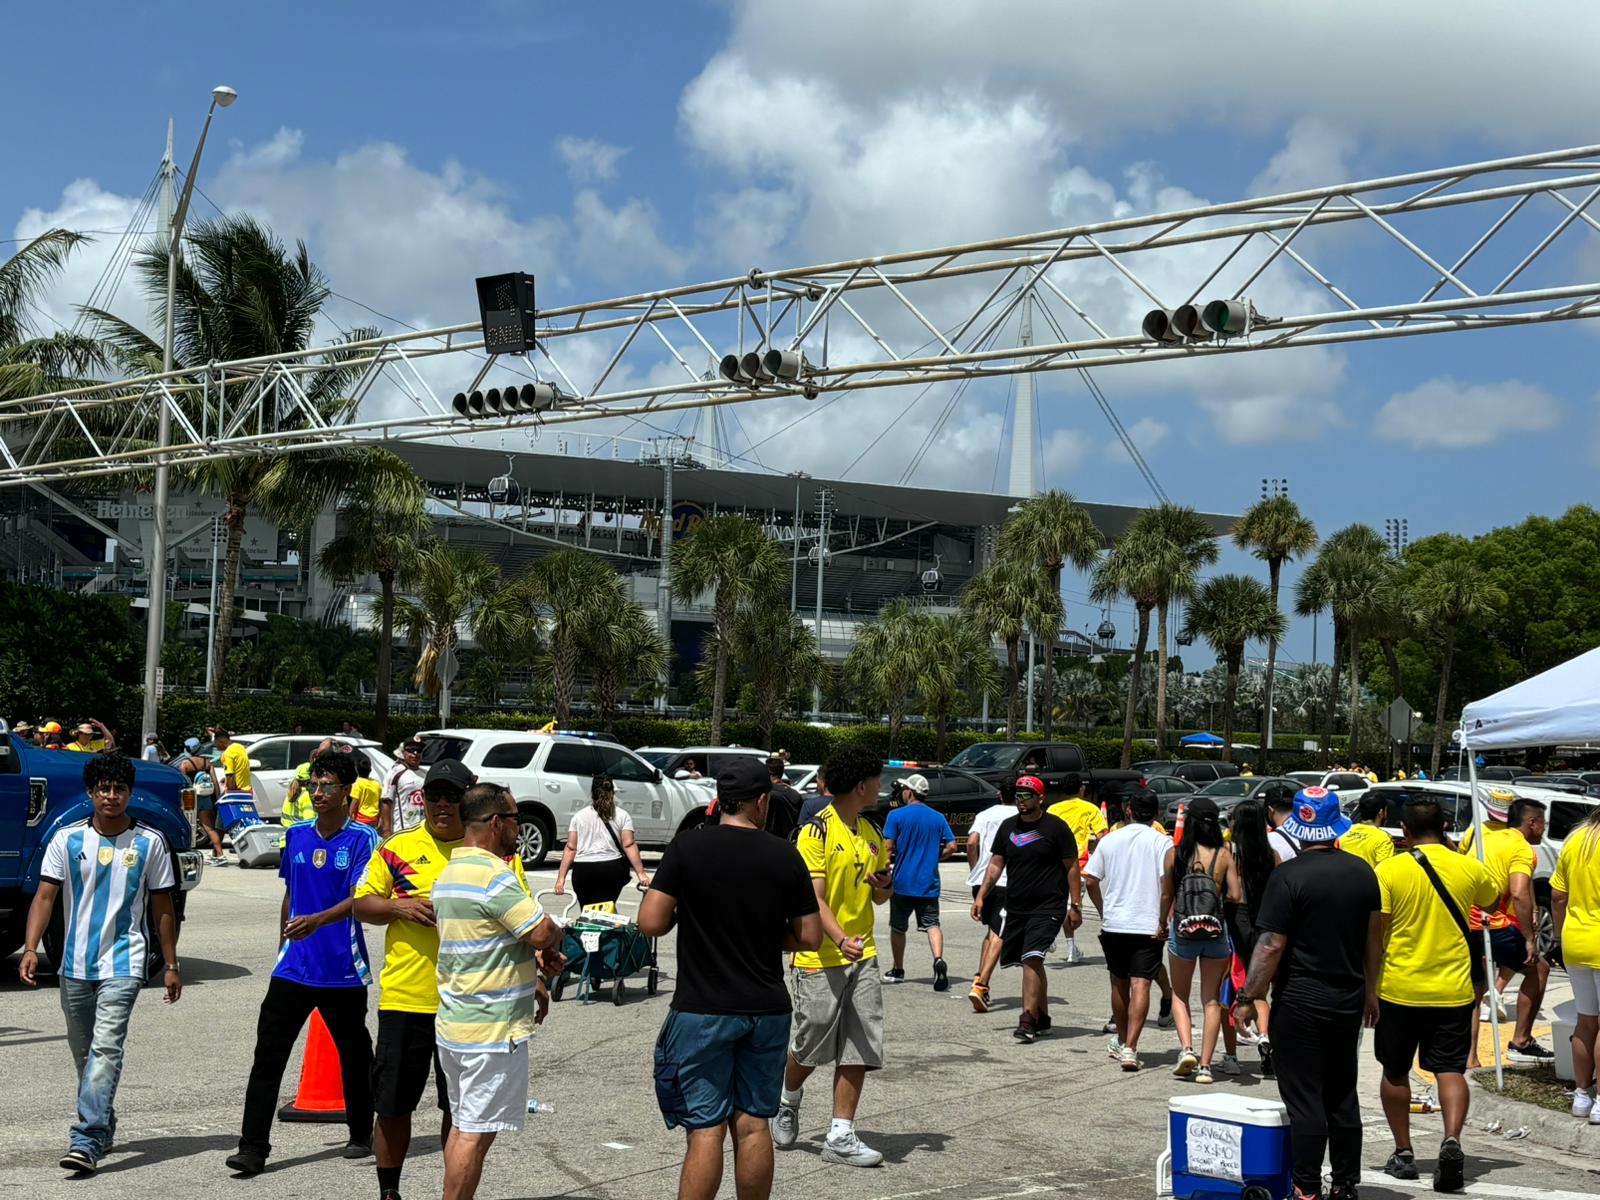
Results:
x,y
742,778
450,772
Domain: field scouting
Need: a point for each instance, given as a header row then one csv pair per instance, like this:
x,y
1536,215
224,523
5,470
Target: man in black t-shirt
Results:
x,y
1315,917
783,802
1039,856
740,900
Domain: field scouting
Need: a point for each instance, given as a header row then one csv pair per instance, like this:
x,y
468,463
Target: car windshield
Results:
x,y
1306,776
656,758
988,756
1233,786
441,746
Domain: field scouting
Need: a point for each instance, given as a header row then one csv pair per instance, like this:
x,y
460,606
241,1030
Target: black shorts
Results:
x,y
1507,946
1442,1035
901,908
1029,935
1132,955
405,1050
994,909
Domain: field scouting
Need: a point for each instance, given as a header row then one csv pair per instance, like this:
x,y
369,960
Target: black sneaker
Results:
x,y
80,1161
1043,1023
1344,1191
1531,1054
1268,1071
941,976
1027,1030
895,975
1164,1017
1402,1164
389,1194
355,1148
1450,1174
246,1162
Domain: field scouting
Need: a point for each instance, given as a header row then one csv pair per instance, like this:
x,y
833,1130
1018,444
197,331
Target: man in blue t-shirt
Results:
x,y
919,839
322,964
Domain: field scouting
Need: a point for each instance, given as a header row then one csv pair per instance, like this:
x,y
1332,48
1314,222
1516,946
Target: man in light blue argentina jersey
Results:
x,y
491,933
112,869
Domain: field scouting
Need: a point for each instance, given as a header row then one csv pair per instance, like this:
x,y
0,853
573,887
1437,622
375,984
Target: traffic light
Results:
x,y
768,369
1200,322
507,401
505,307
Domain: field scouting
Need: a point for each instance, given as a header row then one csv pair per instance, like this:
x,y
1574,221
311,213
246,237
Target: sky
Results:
x,y
630,145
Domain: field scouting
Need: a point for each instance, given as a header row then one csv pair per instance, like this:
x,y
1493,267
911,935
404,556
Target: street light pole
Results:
x,y
156,566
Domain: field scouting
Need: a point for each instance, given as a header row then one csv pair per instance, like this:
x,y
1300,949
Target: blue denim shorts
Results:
x,y
1190,949
708,1066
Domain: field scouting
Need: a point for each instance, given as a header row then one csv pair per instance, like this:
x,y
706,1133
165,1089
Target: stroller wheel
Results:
x,y
652,981
616,992
557,986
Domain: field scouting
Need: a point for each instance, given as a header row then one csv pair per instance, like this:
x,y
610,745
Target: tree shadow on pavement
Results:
x,y
204,970
13,1035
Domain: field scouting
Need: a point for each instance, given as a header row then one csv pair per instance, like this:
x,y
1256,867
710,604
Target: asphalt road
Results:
x,y
961,1111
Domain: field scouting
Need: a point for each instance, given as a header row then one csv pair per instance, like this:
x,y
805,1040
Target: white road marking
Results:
x,y
1504,1191
616,1145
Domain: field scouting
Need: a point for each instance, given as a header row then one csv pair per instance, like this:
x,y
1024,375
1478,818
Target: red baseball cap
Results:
x,y
1031,783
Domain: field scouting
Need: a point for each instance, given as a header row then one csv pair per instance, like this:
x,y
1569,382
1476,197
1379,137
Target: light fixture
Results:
x,y
222,95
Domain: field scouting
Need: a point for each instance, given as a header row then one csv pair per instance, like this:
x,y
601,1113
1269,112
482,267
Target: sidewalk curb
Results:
x,y
1552,1130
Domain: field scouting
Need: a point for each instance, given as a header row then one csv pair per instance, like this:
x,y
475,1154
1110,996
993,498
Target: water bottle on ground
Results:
x,y
536,1105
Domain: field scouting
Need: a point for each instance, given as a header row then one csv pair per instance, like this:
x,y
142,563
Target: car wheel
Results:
x,y
533,841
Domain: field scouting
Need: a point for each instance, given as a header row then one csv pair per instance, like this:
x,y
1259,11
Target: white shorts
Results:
x,y
488,1088
1585,989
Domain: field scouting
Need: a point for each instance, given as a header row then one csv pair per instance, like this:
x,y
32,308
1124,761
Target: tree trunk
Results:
x,y
719,691
1275,576
1392,661
1135,670
380,701
605,698
1161,679
1332,715
1050,666
1228,698
1444,698
1355,689
897,718
566,675
944,732
1012,649
233,519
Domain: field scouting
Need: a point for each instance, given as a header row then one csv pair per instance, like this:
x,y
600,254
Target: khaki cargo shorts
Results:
x,y
838,1016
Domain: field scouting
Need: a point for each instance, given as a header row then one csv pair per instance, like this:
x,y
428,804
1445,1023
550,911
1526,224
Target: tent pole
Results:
x,y
1488,952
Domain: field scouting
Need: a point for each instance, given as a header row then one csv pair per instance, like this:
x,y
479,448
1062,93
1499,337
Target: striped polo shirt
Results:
x,y
487,974
106,884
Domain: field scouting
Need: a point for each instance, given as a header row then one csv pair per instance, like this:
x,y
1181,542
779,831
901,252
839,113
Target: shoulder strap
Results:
x,y
1438,886
615,839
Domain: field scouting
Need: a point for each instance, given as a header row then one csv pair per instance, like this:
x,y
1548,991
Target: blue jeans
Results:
x,y
97,1014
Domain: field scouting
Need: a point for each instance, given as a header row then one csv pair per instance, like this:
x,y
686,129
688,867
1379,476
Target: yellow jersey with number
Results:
x,y
842,858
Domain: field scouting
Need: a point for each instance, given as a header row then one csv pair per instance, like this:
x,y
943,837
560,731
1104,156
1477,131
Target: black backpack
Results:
x,y
1197,911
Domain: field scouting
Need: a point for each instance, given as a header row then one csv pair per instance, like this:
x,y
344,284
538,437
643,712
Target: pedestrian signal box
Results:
x,y
505,306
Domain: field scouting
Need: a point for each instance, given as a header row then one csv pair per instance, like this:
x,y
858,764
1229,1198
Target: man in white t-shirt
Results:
x,y
979,840
400,803
1279,806
1123,878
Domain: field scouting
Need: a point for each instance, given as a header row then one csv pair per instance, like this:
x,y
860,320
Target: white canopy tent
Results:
x,y
1560,705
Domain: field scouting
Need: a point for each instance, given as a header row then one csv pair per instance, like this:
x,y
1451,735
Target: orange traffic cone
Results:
x,y
321,1093
1177,828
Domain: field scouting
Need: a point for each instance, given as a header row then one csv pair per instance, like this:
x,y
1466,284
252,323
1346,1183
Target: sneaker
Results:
x,y
786,1126
1402,1164
1343,1191
851,1151
1114,1050
1230,1064
1203,1074
1164,1018
1187,1062
941,975
1594,1115
1074,955
1027,1031
895,975
1531,1054
1450,1173
1493,1007
1268,1071
80,1161
1110,1026
1582,1103
355,1148
246,1162
979,995
1044,1023
389,1194
216,860
1299,1195
1129,1058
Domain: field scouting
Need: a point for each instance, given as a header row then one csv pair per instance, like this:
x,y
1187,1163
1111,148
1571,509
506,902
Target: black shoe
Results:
x,y
941,976
895,975
1344,1191
1531,1054
80,1161
355,1148
1268,1071
1164,1017
389,1194
1043,1023
1450,1174
246,1162
1402,1164
1027,1030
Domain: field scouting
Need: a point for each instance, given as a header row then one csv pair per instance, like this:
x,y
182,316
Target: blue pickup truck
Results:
x,y
42,790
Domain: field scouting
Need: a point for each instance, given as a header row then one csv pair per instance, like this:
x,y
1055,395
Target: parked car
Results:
x,y
956,794
1350,786
1495,773
1198,771
802,777
1002,763
1170,785
550,773
274,758
1228,793
673,761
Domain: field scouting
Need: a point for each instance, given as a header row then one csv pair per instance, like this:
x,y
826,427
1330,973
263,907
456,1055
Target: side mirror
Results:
x,y
255,764
655,775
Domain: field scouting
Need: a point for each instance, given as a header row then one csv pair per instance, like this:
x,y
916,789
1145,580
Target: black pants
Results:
x,y
1317,1053
284,1012
600,882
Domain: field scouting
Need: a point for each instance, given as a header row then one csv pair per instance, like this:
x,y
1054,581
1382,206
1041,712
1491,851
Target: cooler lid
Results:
x,y
1242,1110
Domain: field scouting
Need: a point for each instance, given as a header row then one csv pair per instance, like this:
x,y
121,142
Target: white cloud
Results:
x,y
589,161
1447,413
84,205
1316,154
617,242
1146,434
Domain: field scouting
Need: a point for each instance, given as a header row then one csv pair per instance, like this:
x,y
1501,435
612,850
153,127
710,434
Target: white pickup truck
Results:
x,y
550,773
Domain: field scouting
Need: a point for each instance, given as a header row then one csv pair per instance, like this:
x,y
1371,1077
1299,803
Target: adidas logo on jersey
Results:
x,y
299,858
422,861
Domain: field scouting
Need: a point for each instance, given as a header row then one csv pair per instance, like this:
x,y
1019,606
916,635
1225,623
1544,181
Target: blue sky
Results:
x,y
622,145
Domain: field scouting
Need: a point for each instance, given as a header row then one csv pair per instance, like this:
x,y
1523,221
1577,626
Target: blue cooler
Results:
x,y
1228,1147
237,809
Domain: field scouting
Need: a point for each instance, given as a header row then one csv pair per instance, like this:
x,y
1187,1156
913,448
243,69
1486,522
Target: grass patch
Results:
x,y
1533,1085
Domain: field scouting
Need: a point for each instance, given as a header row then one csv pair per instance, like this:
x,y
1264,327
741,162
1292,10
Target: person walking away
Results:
x,y
600,849
783,802
1088,825
1421,954
116,873
1200,878
491,998
202,777
1255,860
918,840
235,762
838,996
1116,798
152,749
1367,839
739,900
366,795
1575,912
1311,929
1280,804
397,893
322,965
401,801
1043,888
981,836
1124,877
1508,855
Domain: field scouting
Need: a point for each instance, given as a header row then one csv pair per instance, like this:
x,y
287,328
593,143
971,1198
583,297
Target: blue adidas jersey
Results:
x,y
106,884
320,873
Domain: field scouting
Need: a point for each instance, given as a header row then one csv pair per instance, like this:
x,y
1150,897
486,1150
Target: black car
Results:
x,y
1170,785
1229,792
1498,773
1002,763
1196,770
957,795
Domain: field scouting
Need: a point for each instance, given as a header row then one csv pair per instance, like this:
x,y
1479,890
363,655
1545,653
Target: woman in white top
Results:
x,y
600,847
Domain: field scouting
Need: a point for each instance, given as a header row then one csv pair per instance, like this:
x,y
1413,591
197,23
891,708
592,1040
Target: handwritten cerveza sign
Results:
x,y
1215,1150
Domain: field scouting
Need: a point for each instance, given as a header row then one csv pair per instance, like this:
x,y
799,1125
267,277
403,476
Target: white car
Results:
x,y
274,758
802,777
674,761
550,773
1350,785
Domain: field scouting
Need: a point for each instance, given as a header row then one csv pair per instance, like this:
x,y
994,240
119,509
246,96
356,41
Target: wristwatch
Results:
x,y
172,966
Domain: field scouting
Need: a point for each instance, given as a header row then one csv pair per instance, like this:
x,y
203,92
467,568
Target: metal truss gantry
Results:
x,y
1438,251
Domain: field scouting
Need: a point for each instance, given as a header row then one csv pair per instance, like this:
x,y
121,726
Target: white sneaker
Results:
x,y
1187,1062
786,1126
1493,999
1130,1059
1109,1027
1114,1051
851,1151
1229,1065
1074,955
1582,1104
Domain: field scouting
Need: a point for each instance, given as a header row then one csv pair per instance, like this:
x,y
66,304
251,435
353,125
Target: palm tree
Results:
x,y
379,534
622,647
1005,600
956,662
1228,612
576,590
450,588
732,558
1051,529
1274,530
1187,530
1137,567
779,654
33,360
1447,595
1355,574
887,659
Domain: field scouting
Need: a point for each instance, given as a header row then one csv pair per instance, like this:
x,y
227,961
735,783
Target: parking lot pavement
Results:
x,y
961,1111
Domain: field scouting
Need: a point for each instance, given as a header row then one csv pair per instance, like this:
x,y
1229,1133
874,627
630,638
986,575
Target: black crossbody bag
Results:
x,y
1480,973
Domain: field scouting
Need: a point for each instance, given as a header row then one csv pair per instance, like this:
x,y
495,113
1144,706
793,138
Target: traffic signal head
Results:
x,y
787,365
1200,322
1186,323
505,307
1228,318
1158,326
506,401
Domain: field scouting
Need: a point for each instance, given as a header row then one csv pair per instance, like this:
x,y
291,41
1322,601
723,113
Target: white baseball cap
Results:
x,y
917,783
